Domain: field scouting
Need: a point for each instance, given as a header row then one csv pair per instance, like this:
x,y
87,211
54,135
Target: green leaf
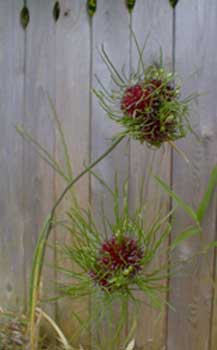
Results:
x,y
207,195
183,236
62,139
210,246
180,202
173,3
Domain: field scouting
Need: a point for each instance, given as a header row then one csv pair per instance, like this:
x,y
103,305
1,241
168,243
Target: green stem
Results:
x,y
41,246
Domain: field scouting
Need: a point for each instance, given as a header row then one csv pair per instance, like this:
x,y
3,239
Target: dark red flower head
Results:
x,y
143,102
136,100
117,257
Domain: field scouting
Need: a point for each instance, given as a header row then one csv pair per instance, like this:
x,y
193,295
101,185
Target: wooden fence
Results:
x,y
59,55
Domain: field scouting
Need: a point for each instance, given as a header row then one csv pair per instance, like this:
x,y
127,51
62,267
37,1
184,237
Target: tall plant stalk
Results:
x,y
42,242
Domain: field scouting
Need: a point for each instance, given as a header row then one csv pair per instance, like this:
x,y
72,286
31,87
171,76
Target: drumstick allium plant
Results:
x,y
115,259
148,107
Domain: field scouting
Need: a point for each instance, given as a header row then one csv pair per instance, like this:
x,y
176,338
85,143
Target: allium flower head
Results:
x,y
147,104
117,262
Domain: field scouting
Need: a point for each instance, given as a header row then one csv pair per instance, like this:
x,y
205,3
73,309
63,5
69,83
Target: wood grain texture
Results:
x,y
188,327
110,27
153,18
37,176
12,288
72,103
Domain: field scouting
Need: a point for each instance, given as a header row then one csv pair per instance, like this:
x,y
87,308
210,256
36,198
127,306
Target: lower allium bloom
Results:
x,y
118,261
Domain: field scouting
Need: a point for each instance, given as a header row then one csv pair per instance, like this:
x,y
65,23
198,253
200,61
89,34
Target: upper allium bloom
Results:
x,y
118,261
147,104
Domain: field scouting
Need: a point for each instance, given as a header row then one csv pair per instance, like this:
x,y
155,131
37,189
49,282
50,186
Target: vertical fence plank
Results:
x,y
12,291
153,18
39,80
188,327
110,28
72,102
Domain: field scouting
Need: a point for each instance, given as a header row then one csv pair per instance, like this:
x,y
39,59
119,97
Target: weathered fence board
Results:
x,y
12,290
72,103
59,56
152,21
191,294
110,27
38,178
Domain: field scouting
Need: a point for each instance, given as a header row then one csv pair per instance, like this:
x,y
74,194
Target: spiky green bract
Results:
x,y
146,103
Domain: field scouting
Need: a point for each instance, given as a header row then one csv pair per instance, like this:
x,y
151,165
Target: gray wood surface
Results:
x,y
72,103
110,27
38,178
191,293
153,19
11,184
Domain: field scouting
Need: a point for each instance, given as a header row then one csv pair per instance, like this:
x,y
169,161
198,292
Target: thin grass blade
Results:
x,y
207,195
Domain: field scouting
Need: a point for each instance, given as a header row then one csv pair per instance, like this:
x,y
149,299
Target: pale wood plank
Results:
x,y
12,290
110,27
188,327
38,178
152,18
72,103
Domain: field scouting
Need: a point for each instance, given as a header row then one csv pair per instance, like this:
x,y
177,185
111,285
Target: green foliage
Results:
x,y
212,183
87,242
197,215
14,335
183,236
65,171
87,239
189,211
12,331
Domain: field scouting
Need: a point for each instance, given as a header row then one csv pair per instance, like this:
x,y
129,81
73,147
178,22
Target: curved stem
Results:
x,y
42,242
86,170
